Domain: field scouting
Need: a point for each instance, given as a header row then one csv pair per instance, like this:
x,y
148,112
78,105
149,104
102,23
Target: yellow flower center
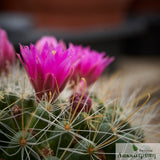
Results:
x,y
54,52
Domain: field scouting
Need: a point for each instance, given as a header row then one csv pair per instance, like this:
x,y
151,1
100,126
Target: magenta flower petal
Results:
x,y
49,86
48,83
7,52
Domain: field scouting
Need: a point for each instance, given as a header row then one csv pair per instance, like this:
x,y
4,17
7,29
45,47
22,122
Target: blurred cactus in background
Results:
x,y
50,124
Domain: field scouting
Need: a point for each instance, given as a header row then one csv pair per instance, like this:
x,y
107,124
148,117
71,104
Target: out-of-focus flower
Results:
x,y
90,64
52,42
7,52
48,70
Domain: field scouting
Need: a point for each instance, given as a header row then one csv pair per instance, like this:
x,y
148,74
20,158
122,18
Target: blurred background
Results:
x,y
117,27
126,29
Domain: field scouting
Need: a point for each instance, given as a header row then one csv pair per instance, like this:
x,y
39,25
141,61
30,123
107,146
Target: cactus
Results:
x,y
44,130
78,123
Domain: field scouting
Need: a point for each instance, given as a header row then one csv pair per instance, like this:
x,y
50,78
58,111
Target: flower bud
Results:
x,y
79,103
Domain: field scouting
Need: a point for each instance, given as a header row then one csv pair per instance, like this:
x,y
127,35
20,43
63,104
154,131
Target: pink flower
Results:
x,y
90,64
48,70
7,52
52,42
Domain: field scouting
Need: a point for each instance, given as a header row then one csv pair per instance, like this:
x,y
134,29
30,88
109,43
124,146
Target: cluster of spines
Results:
x,y
41,130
